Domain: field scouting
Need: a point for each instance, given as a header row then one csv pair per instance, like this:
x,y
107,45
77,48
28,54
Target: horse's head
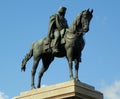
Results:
x,y
86,17
81,23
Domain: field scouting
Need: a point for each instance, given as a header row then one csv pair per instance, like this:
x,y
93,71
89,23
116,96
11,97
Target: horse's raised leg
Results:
x,y
46,62
26,58
76,69
33,71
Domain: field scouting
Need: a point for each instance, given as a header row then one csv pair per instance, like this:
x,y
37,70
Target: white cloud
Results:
x,y
3,96
111,91
43,85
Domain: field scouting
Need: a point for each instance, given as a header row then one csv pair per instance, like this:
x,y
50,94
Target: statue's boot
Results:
x,y
55,48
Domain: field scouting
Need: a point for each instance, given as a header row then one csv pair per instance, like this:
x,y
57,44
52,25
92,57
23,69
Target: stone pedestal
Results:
x,y
66,90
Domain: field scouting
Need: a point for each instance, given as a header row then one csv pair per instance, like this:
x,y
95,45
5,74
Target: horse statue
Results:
x,y
71,48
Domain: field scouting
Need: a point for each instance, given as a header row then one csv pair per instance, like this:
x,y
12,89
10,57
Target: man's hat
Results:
x,y
62,9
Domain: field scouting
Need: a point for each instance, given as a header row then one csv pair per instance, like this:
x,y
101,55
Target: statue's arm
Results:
x,y
57,22
51,26
66,24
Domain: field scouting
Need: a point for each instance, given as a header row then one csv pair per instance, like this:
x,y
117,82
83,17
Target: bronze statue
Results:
x,y
71,46
56,24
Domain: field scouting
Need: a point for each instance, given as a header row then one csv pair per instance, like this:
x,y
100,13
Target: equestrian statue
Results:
x,y
62,41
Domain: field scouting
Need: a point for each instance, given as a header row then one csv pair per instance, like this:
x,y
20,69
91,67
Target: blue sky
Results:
x,y
25,21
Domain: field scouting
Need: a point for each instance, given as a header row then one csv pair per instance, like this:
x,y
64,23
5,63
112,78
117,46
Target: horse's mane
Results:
x,y
76,23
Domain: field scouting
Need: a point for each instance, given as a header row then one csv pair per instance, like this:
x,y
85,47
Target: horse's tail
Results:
x,y
26,58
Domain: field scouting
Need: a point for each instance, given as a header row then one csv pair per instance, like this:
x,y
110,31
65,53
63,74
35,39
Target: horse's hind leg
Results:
x,y
33,71
46,62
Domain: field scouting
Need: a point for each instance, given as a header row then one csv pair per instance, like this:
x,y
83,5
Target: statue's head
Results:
x,y
86,17
62,10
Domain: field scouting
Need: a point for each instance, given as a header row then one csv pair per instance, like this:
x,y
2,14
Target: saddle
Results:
x,y
48,45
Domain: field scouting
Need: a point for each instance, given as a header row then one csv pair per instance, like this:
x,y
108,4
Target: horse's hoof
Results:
x,y
77,79
33,87
38,86
71,78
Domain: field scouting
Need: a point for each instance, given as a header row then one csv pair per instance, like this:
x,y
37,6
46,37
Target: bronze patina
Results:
x,y
71,44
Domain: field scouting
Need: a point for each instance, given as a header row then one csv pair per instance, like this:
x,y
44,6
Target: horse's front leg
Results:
x,y
33,71
70,68
76,69
69,57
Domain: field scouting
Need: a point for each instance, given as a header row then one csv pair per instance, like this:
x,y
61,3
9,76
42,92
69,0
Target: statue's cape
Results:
x,y
62,23
51,23
52,18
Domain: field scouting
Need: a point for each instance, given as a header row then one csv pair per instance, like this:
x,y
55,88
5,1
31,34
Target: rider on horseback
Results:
x,y
56,24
